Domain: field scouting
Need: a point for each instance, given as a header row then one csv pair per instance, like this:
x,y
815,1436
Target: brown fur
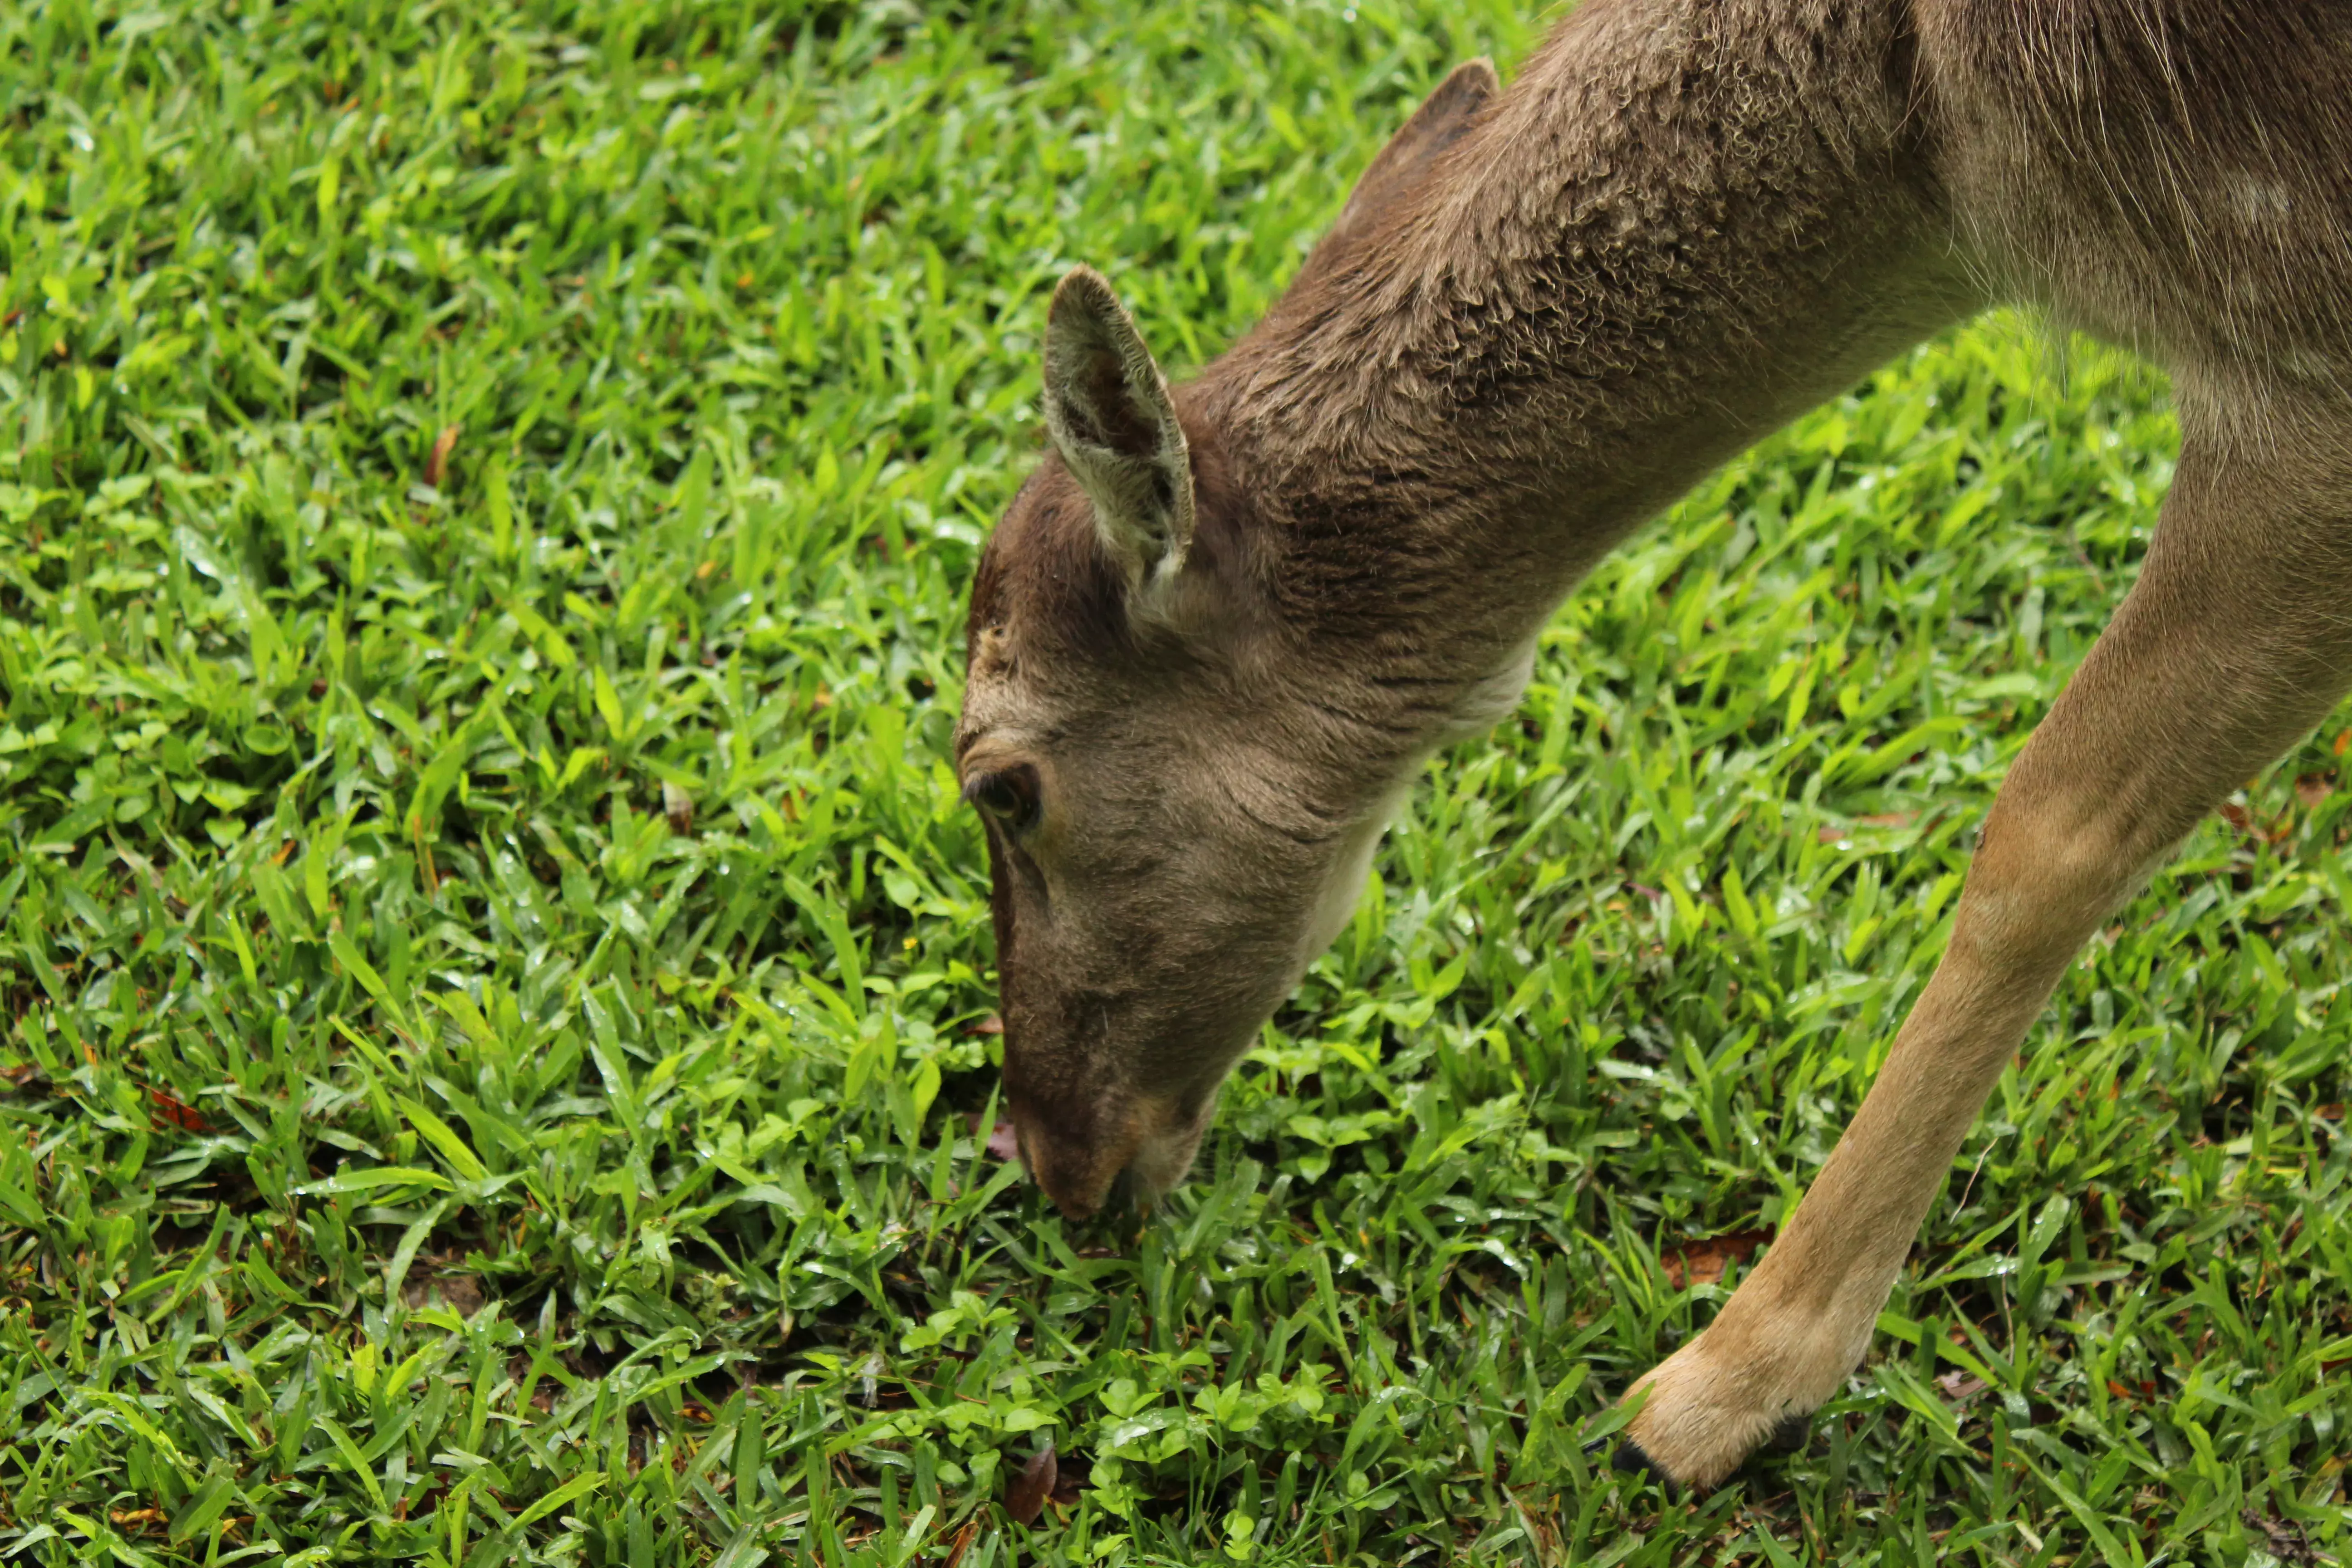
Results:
x,y
1544,313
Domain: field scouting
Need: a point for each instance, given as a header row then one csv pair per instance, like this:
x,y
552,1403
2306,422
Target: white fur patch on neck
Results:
x,y
1344,883
1489,699
1482,705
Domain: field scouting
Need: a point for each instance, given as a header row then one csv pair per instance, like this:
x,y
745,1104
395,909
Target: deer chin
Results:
x,y
1166,1153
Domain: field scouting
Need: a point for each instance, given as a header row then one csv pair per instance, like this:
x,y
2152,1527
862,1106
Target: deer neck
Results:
x,y
1683,225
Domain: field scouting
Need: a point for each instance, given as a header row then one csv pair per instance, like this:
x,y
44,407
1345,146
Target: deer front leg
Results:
x,y
2236,641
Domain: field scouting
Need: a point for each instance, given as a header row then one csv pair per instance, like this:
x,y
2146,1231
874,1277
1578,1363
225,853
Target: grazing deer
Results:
x,y
1223,625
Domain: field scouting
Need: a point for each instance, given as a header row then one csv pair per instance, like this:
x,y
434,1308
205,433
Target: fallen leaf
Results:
x,y
177,1113
20,1075
1891,820
2288,1543
461,1293
1703,1262
1001,1143
962,1542
134,1515
2236,816
679,807
438,465
1025,1498
991,1025
2312,790
1960,1387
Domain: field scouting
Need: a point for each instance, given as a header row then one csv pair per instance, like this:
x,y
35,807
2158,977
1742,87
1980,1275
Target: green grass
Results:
x,y
415,1145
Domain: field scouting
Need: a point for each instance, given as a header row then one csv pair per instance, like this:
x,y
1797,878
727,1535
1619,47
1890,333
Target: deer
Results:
x,y
1221,627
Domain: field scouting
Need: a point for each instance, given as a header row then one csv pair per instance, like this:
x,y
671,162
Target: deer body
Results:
x,y
1221,628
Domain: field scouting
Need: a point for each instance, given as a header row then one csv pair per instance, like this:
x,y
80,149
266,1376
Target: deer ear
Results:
x,y
1436,125
1108,412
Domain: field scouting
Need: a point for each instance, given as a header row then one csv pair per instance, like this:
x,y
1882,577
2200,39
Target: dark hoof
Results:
x,y
1630,1458
1791,1435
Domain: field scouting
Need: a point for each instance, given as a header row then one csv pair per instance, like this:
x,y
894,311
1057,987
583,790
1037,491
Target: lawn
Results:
x,y
499,1049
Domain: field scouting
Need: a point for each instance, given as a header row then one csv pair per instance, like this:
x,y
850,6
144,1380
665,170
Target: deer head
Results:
x,y
1181,789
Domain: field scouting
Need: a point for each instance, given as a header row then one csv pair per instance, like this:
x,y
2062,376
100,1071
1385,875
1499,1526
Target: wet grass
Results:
x,y
497,979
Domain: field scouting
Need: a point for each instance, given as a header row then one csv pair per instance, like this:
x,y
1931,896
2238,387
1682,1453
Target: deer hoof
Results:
x,y
1631,1458
1789,1435
1704,1415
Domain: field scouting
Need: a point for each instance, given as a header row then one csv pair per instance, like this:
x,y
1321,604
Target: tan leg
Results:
x,y
2236,641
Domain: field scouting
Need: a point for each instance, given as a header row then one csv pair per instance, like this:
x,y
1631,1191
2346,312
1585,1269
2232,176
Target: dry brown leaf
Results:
x,y
163,1108
461,1293
1002,1142
2313,791
991,1025
1835,832
1702,1262
436,467
679,807
2288,1543
1960,1387
1025,1498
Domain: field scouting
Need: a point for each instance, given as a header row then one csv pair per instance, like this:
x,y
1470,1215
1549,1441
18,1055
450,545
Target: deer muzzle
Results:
x,y
1136,1151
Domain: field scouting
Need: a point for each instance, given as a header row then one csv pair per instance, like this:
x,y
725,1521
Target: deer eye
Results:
x,y
1010,797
